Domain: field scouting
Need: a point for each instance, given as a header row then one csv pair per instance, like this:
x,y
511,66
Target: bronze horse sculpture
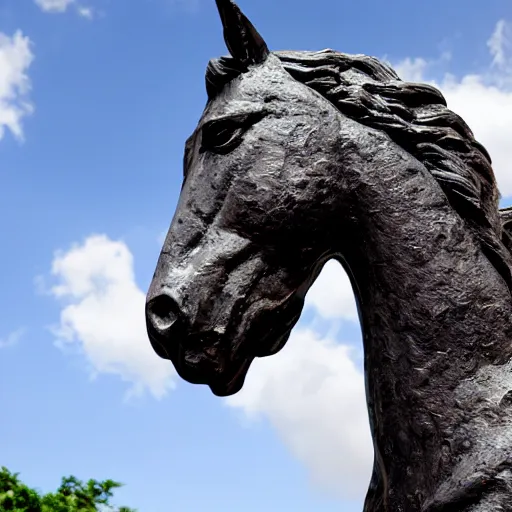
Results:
x,y
302,157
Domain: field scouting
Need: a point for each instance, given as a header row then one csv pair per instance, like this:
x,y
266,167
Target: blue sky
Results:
x,y
96,101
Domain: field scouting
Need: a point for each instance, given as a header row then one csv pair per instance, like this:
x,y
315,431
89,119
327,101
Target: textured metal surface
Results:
x,y
300,157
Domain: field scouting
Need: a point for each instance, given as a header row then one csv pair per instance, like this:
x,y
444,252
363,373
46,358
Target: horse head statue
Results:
x,y
302,157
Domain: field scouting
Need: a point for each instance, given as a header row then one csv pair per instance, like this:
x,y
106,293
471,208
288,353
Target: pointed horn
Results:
x,y
242,39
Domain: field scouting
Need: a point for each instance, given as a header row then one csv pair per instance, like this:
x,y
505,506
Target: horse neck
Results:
x,y
435,313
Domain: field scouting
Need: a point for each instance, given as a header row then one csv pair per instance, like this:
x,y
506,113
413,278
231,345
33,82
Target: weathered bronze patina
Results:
x,y
300,157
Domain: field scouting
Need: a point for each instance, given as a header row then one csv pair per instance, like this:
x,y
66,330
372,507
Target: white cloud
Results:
x,y
15,59
12,338
483,100
54,5
103,314
313,395
61,6
500,44
86,12
411,69
332,295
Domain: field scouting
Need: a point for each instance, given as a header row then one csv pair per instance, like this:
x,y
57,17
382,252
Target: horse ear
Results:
x,y
242,39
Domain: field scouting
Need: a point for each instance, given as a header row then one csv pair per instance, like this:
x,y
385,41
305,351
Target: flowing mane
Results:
x,y
415,116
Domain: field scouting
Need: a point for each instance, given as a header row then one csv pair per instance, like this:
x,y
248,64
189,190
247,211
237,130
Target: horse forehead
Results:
x,y
276,82
252,91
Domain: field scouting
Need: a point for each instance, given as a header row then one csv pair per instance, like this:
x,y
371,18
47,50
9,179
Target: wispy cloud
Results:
x,y
86,12
54,5
500,44
15,58
62,6
12,338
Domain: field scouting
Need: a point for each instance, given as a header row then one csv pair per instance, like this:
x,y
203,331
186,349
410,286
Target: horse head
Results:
x,y
279,176
245,243
300,157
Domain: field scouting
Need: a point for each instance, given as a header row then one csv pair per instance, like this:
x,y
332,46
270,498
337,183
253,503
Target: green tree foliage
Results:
x,y
73,495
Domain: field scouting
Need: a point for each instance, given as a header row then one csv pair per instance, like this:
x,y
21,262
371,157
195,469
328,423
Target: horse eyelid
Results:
x,y
237,121
245,120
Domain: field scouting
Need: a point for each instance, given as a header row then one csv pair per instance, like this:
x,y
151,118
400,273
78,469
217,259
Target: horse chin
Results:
x,y
200,362
276,346
232,382
223,377
231,386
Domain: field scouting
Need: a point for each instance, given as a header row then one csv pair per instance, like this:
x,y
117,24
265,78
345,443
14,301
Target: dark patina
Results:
x,y
302,157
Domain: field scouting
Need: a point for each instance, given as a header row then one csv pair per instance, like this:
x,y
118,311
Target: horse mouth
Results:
x,y
209,366
201,359
207,357
225,378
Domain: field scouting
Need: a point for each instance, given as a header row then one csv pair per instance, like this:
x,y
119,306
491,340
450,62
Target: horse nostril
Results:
x,y
162,312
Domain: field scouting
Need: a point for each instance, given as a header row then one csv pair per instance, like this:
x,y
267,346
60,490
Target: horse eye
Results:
x,y
221,136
